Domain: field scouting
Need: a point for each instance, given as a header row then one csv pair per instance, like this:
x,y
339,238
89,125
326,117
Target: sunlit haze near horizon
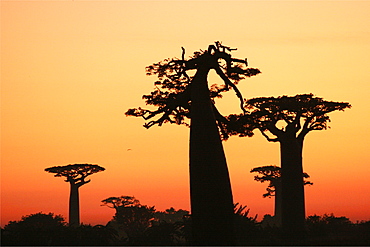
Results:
x,y
71,69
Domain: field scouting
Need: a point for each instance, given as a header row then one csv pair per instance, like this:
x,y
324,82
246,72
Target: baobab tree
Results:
x,y
272,174
287,120
115,202
75,175
177,98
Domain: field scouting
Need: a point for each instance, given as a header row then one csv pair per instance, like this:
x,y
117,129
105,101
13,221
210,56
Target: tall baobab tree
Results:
x,y
75,175
178,97
287,120
272,174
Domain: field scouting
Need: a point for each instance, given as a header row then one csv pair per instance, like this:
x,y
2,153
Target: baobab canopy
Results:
x,y
75,171
171,94
301,113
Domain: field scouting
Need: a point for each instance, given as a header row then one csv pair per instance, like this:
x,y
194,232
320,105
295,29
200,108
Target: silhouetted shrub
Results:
x,y
170,215
51,230
246,229
327,225
34,229
331,230
88,235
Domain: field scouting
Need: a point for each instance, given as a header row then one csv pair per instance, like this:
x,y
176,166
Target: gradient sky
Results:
x,y
70,69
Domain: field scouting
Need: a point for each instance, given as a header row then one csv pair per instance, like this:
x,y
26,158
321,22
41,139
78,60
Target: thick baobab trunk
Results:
x,y
277,210
74,206
210,189
293,205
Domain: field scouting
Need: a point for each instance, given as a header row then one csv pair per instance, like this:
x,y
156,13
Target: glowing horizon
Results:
x,y
70,70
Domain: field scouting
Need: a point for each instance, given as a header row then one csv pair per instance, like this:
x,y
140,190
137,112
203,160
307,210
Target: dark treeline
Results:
x,y
137,224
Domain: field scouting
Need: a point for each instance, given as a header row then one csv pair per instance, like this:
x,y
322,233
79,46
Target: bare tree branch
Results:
x,y
267,137
229,83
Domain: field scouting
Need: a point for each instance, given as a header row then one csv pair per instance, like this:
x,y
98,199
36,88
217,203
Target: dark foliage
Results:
x,y
115,202
51,230
48,229
170,97
299,114
329,227
246,228
272,174
170,215
139,224
75,173
34,229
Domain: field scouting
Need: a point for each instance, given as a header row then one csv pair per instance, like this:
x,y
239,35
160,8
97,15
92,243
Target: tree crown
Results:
x,y
124,201
171,95
38,221
76,172
299,114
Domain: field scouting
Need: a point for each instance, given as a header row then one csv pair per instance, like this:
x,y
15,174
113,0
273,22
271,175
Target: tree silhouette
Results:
x,y
76,175
246,227
272,174
34,229
178,97
288,120
115,202
51,230
131,216
170,215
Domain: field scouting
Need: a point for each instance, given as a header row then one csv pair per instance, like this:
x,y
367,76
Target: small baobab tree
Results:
x,y
287,120
272,174
118,201
179,97
75,175
131,216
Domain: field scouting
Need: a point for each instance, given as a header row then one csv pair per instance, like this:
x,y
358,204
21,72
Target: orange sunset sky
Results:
x,y
71,69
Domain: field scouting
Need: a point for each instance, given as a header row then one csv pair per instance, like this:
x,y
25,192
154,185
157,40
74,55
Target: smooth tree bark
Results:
x,y
278,200
74,206
293,198
74,203
75,175
210,189
179,97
